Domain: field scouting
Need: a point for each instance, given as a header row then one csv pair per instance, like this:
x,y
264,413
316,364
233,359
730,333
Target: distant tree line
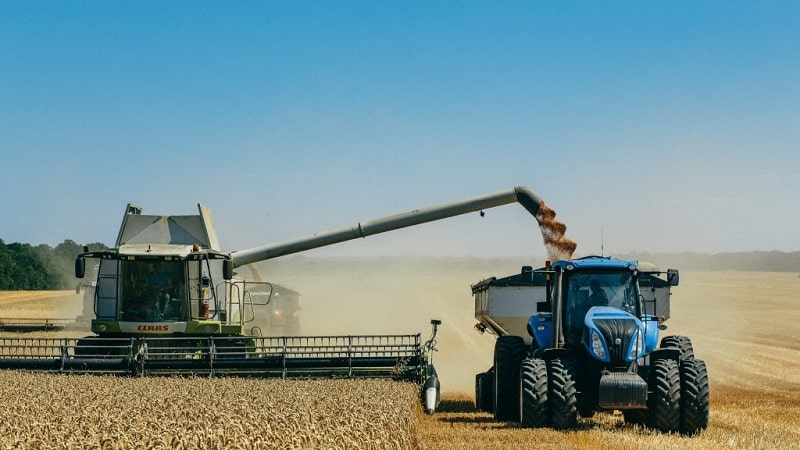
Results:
x,y
41,267
760,261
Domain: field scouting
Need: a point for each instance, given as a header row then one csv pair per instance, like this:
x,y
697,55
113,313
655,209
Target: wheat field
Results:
x,y
744,324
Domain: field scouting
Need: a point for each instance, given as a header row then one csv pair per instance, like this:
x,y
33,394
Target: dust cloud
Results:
x,y
341,296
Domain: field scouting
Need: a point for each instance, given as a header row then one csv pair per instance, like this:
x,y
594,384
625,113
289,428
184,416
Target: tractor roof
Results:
x,y
596,262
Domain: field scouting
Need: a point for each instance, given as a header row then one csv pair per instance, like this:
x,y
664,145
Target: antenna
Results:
x,y
602,244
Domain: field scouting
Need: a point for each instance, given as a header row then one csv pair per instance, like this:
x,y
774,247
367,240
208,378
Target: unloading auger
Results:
x,y
167,301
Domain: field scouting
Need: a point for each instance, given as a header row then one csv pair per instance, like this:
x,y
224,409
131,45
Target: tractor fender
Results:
x,y
665,353
553,353
540,327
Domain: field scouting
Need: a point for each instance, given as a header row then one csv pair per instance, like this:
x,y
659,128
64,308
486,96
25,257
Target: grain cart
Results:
x,y
166,301
580,336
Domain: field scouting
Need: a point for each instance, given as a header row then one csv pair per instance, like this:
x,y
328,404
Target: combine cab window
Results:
x,y
587,289
152,291
106,291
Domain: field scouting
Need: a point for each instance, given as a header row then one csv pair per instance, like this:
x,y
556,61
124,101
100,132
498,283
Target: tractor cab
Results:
x,y
584,290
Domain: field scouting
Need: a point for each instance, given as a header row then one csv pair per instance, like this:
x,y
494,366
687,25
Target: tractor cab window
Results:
x,y
152,291
587,289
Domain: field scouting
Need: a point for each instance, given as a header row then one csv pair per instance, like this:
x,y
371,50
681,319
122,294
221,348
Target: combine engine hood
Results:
x,y
613,336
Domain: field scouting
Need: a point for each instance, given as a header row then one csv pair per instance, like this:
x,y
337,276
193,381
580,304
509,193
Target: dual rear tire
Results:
x,y
679,390
548,395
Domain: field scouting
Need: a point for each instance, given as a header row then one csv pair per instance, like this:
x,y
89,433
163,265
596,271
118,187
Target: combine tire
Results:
x,y
694,396
533,393
562,394
682,343
663,404
508,354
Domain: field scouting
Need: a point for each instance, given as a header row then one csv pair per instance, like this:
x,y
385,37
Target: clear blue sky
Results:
x,y
671,126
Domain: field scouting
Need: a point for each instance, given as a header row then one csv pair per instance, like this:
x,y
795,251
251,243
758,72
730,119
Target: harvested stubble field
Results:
x,y
744,324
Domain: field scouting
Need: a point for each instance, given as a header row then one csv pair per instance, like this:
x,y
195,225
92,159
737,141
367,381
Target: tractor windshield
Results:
x,y
584,290
152,291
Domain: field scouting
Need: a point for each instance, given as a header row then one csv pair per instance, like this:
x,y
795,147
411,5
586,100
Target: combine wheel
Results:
x,y
508,354
562,394
682,343
533,393
694,396
663,404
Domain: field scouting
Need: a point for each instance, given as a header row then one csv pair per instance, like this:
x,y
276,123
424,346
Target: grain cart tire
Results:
x,y
682,343
533,393
484,396
478,396
562,394
694,396
664,401
508,354
635,416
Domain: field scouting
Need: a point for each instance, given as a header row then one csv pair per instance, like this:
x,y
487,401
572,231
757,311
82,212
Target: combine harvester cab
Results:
x,y
166,301
583,336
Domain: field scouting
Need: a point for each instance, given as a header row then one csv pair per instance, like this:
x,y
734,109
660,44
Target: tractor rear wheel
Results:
x,y
562,394
694,396
533,393
682,343
663,404
508,354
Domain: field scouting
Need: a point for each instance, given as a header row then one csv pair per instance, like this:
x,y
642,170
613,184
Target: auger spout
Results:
x,y
519,194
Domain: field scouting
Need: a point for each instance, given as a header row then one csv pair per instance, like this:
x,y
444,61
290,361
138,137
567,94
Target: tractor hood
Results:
x,y
613,336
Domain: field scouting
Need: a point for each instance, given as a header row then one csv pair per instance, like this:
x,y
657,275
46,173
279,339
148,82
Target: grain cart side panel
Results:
x,y
503,306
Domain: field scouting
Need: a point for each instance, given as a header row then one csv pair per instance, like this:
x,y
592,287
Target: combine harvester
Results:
x,y
580,336
166,302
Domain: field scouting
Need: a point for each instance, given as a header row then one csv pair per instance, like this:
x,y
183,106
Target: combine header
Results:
x,y
26,325
167,301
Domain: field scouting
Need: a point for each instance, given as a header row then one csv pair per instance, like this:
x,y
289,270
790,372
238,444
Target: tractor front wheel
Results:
x,y
562,394
663,404
533,393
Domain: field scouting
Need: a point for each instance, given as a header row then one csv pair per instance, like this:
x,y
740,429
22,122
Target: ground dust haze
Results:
x,y
397,296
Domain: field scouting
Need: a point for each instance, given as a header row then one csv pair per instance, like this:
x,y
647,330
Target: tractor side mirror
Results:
x,y
80,267
672,277
227,269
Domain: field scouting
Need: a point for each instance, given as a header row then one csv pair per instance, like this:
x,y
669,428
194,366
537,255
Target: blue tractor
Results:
x,y
592,345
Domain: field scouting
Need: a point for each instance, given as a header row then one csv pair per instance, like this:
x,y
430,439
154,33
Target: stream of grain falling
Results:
x,y
553,232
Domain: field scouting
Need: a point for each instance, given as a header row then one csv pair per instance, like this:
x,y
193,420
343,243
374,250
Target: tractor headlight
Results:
x,y
598,348
637,343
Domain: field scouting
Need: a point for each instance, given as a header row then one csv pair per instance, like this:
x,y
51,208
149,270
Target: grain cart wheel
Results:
x,y
694,396
478,396
635,416
508,354
562,394
663,403
682,343
484,382
533,393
